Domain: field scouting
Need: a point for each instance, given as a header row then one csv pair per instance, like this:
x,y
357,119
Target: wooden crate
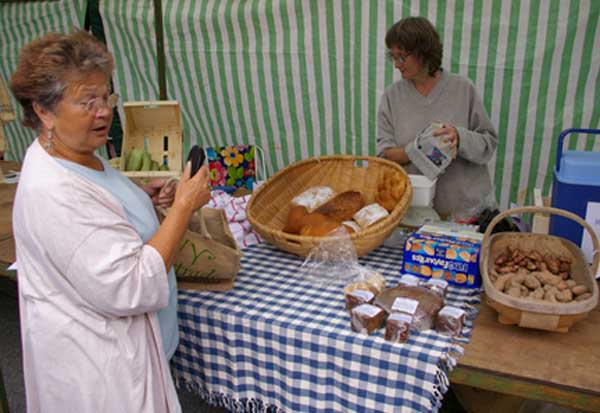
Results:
x,y
156,127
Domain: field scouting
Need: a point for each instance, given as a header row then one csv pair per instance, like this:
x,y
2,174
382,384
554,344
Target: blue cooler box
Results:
x,y
576,182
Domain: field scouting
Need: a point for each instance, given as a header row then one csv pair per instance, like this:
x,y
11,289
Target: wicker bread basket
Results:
x,y
269,205
536,314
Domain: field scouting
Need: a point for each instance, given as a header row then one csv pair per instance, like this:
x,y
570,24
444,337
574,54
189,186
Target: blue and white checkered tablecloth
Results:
x,y
281,342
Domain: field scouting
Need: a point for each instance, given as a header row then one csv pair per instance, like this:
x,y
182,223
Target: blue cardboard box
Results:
x,y
449,254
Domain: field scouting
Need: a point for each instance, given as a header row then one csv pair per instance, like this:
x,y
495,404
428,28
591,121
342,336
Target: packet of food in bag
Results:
x,y
313,197
429,153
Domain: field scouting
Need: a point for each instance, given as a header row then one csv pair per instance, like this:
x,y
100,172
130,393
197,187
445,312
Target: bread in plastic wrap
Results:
x,y
357,297
366,318
429,303
371,280
370,214
351,226
397,327
437,285
409,280
314,197
450,321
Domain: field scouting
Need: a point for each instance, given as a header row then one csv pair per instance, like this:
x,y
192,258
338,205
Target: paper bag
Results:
x,y
208,257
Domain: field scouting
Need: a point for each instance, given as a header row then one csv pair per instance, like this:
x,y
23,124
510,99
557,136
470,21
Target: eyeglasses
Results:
x,y
95,104
397,58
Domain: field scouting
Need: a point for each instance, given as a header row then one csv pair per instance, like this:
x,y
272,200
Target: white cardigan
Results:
x,y
89,290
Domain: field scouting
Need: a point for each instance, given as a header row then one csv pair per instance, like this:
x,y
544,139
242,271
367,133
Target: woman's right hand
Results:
x,y
193,193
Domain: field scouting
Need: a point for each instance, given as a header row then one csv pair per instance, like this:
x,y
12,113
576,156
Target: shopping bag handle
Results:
x,y
263,169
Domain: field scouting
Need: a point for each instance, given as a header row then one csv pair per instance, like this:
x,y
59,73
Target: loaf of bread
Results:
x,y
369,215
343,206
409,280
351,226
366,318
429,305
372,281
397,327
313,197
358,297
450,320
295,219
317,225
438,286
390,189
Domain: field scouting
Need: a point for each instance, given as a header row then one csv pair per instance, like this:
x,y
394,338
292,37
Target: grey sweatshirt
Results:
x,y
466,187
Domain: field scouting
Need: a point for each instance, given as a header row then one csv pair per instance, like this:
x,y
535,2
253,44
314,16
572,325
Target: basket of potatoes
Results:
x,y
538,281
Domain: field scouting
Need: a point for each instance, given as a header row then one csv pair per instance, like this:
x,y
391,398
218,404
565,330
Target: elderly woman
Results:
x,y
425,94
94,264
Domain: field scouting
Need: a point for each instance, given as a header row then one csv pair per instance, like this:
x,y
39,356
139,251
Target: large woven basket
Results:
x,y
535,314
268,208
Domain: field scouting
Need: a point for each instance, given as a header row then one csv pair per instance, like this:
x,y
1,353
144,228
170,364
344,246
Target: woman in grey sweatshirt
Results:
x,y
426,93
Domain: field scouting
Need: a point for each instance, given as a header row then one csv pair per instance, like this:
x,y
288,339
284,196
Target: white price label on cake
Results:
x,y
405,305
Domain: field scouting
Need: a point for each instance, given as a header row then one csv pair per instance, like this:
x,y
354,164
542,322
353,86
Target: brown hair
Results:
x,y
416,35
47,64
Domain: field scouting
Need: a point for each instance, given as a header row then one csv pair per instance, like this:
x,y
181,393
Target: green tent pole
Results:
x,y
160,49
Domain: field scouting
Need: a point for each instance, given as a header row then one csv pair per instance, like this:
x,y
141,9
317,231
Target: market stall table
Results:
x,y
561,368
279,339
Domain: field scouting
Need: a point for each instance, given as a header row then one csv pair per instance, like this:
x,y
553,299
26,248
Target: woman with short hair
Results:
x,y
94,265
425,94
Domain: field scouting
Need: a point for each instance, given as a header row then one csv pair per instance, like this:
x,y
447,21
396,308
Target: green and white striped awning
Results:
x,y
304,78
20,23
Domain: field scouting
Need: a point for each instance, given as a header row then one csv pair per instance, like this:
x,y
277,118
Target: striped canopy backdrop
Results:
x,y
304,78
20,23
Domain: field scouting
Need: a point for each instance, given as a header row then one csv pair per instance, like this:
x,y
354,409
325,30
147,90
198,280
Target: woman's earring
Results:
x,y
49,145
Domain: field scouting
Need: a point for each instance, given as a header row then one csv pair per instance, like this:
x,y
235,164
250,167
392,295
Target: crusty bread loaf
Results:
x,y
317,225
390,189
295,219
343,206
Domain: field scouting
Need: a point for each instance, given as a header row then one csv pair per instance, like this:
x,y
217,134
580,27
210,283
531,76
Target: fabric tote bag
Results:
x,y
208,257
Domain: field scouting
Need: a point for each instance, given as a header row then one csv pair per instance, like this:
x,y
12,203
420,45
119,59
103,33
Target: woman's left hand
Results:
x,y
450,137
161,191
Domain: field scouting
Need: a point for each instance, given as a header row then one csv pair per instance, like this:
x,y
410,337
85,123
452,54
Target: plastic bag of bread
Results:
x,y
334,260
365,279
429,304
450,321
313,197
370,214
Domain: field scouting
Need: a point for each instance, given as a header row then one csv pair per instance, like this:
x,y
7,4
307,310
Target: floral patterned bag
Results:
x,y
233,167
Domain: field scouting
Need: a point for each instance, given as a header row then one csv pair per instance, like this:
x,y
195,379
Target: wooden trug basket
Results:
x,y
269,205
535,314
